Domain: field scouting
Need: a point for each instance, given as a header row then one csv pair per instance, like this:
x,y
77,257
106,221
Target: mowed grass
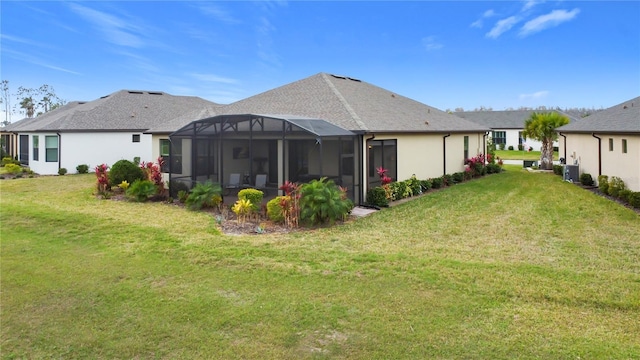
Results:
x,y
513,265
521,155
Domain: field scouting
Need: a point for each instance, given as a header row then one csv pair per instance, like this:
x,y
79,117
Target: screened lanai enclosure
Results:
x,y
263,151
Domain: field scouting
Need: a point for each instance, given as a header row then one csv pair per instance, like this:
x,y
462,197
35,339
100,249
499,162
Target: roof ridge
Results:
x,y
344,102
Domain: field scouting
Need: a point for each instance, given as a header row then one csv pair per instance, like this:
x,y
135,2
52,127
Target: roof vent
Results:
x,y
155,93
106,96
352,79
135,92
338,76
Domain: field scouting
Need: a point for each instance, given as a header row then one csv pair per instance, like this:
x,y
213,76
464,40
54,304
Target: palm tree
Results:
x,y
542,127
28,106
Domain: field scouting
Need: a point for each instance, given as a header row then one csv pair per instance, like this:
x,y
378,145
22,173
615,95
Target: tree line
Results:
x,y
31,101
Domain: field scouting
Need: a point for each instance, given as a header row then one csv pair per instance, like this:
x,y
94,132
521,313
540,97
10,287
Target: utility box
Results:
x,y
571,173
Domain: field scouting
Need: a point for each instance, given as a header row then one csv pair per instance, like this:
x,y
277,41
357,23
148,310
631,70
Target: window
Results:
x,y
499,137
382,153
36,149
164,153
610,144
51,148
135,138
624,146
466,147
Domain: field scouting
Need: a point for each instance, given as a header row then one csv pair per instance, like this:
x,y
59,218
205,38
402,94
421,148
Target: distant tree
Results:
x,y
542,127
459,109
28,106
38,101
5,99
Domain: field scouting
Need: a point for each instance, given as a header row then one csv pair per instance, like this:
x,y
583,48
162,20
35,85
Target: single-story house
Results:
x,y
507,126
606,143
105,130
324,125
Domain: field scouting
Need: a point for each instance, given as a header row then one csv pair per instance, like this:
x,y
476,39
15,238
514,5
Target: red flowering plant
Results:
x,y
153,173
290,203
102,175
476,165
385,180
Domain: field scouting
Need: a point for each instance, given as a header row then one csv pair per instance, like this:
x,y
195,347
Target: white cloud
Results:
x,y
552,19
480,22
528,4
217,13
502,26
431,44
213,78
535,95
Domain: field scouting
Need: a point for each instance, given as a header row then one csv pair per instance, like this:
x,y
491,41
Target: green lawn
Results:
x,y
521,155
514,265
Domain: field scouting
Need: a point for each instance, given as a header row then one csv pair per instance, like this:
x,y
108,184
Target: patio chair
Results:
x,y
261,182
234,182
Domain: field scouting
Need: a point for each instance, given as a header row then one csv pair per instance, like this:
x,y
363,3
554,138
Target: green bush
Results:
x,y
62,171
603,184
176,186
586,179
377,197
436,183
254,196
501,146
183,195
13,169
558,169
447,180
82,169
125,170
322,201
615,186
457,177
510,147
203,195
400,190
141,190
624,195
274,209
634,199
520,147
414,184
9,160
426,185
493,168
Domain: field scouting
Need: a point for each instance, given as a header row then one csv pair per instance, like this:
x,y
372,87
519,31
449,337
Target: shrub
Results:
x,y
510,148
426,185
254,196
274,210
176,186
634,199
141,190
501,146
436,183
558,169
447,180
203,195
323,201
520,147
102,178
183,195
82,169
400,190
615,186
457,177
586,179
493,168
377,197
625,194
242,208
414,184
125,170
13,168
62,171
9,160
124,185
603,183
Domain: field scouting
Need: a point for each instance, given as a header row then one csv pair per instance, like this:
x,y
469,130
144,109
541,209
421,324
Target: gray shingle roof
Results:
x,y
353,105
507,119
124,110
621,118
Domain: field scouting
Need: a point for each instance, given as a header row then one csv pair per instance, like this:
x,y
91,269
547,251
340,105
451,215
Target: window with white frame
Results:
x,y
36,147
51,148
499,137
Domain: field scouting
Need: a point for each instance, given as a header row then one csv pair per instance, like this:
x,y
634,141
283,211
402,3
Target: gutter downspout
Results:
x,y
59,151
444,154
599,153
484,146
565,146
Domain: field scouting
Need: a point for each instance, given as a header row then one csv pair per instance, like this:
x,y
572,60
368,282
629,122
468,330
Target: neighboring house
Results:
x,y
507,126
606,143
101,131
325,125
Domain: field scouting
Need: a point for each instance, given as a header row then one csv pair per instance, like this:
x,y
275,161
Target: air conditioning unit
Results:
x,y
571,173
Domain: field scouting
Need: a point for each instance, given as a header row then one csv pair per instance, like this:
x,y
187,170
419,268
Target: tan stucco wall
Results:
x,y
614,163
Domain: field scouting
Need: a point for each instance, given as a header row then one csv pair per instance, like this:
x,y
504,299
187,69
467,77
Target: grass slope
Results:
x,y
515,265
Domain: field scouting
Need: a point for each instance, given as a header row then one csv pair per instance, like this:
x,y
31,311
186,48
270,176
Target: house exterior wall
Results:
x,y
98,148
614,163
513,137
42,166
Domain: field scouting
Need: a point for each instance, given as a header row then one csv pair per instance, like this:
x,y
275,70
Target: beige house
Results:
x,y
606,143
324,126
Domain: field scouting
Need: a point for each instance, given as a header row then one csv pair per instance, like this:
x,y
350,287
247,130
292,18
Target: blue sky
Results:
x,y
450,54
